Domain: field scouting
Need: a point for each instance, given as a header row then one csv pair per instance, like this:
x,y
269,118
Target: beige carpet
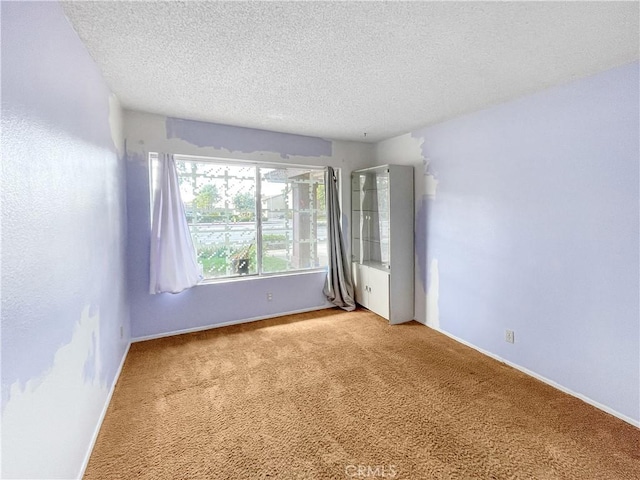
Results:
x,y
336,395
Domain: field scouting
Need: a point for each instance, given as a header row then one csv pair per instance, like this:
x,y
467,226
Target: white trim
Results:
x,y
584,398
261,276
227,324
239,161
107,402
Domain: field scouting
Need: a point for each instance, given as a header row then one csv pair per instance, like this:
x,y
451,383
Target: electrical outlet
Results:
x,y
509,336
269,296
121,331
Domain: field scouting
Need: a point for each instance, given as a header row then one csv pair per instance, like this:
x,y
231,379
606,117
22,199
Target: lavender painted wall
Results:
x,y
63,244
234,301
248,140
534,227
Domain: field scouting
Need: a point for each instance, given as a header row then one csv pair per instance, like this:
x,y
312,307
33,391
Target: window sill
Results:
x,y
264,276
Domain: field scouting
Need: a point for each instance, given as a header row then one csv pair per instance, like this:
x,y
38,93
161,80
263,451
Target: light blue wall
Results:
x,y
218,303
527,219
63,244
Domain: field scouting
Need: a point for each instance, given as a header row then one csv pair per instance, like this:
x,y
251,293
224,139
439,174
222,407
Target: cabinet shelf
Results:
x,y
378,266
384,195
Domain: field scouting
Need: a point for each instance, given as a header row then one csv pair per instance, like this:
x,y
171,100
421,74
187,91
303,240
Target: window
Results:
x,y
248,219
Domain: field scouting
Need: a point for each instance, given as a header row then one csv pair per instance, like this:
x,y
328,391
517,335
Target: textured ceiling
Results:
x,y
339,69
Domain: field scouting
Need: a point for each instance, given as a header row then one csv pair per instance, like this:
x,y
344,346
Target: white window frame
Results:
x,y
152,157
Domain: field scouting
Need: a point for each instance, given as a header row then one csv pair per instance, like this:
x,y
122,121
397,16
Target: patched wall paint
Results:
x,y
407,150
63,244
430,180
534,228
420,246
116,124
433,293
31,409
223,302
247,140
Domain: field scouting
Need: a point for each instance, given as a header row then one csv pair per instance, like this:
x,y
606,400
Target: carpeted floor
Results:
x,y
336,395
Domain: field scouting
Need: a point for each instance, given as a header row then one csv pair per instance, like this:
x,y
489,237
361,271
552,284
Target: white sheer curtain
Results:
x,y
173,266
338,286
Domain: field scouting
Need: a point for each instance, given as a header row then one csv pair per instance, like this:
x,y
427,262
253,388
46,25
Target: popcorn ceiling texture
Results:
x,y
339,69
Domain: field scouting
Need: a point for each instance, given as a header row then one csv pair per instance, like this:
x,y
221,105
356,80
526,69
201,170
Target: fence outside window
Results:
x,y
253,219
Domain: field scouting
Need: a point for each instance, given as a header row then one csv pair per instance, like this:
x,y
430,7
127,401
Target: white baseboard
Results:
x,y
107,402
227,324
535,375
584,398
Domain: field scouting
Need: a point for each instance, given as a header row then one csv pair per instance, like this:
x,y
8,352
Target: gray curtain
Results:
x,y
338,286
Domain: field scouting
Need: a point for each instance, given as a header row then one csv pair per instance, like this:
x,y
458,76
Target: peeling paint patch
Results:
x,y
247,140
420,136
430,180
44,422
405,147
433,293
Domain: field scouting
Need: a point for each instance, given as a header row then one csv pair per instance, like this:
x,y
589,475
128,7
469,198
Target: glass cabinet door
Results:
x,y
370,217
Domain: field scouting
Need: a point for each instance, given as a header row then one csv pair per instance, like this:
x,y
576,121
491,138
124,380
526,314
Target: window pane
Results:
x,y
294,219
221,211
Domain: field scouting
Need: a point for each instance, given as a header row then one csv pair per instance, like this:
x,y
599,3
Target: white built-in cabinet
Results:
x,y
382,240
